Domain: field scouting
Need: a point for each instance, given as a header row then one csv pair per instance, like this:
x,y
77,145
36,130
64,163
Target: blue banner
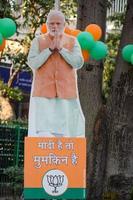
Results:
x,y
23,80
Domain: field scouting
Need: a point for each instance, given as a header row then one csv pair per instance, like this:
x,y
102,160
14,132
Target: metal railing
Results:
x,y
11,154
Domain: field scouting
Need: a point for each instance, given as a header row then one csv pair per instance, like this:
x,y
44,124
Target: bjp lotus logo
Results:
x,y
55,182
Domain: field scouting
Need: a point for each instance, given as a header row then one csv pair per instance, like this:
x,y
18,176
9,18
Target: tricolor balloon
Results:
x,y
88,41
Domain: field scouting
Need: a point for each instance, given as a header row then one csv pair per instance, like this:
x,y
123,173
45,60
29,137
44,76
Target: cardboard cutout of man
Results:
x,y
54,58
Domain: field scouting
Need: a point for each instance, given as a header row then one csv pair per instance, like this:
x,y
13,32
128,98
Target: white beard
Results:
x,y
56,33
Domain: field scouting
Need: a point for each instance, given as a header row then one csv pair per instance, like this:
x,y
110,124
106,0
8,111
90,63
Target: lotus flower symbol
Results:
x,y
55,181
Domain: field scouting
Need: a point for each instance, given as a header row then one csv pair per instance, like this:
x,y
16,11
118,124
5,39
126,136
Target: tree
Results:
x,y
119,115
91,12
110,154
90,76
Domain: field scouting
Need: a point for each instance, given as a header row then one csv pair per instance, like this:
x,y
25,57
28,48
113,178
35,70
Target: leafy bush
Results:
x,y
15,176
20,122
9,92
109,65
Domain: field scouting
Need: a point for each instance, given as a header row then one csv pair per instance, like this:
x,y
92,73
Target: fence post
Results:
x,y
18,144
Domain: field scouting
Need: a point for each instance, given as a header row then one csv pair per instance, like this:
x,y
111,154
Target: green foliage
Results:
x,y
69,8
117,19
110,196
109,64
11,93
5,9
16,122
109,3
15,176
39,9
112,40
18,59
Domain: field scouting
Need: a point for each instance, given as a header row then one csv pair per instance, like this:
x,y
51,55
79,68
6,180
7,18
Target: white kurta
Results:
x,y
54,116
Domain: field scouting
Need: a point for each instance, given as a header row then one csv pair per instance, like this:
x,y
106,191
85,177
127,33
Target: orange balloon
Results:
x,y
86,55
44,28
95,30
67,30
75,32
2,46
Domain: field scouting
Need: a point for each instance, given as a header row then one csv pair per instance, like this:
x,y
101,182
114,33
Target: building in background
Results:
x,y
117,7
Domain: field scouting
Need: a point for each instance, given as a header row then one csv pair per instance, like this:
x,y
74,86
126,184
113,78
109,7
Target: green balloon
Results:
x,y
7,27
86,40
132,59
99,51
127,51
1,39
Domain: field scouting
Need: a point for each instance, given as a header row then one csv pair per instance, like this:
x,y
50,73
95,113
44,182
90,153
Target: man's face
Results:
x,y
55,25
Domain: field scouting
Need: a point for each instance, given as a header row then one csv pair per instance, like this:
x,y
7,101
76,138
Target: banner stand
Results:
x,y
55,168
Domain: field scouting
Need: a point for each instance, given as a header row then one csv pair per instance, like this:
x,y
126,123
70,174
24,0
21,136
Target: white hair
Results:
x,y
55,13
